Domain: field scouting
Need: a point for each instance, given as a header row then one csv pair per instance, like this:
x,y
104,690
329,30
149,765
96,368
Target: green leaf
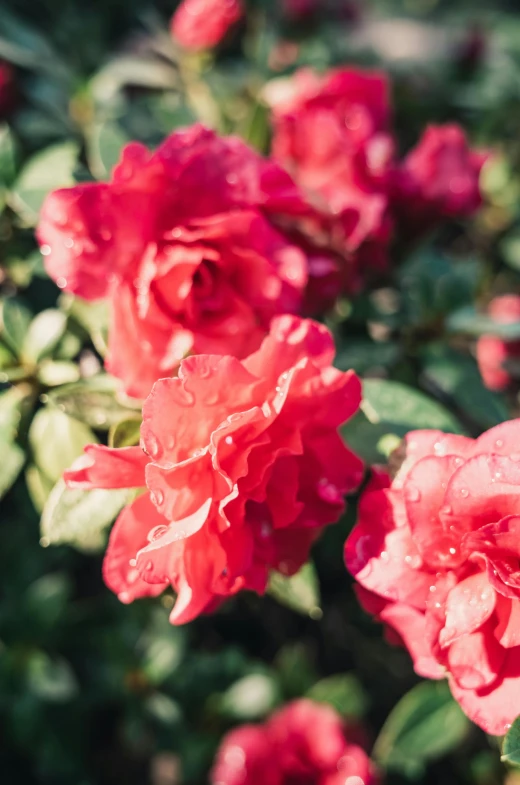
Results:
x,y
104,148
391,409
50,169
298,592
425,725
13,458
51,680
342,691
38,485
511,745
12,403
44,334
364,355
456,375
162,648
470,322
57,373
92,401
93,317
250,698
56,440
125,434
47,598
8,155
16,319
80,518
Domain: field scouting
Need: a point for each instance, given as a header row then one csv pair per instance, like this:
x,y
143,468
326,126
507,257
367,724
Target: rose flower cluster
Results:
x,y
436,553
304,742
333,133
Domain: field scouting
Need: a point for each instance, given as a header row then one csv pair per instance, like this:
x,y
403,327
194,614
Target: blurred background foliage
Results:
x,y
93,692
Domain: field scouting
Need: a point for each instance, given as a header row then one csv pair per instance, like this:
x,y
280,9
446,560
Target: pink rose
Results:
x,y
202,24
304,742
187,245
436,553
243,468
438,179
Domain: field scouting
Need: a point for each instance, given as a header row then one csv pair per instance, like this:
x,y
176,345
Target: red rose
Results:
x,y
438,179
202,24
493,352
436,553
243,467
330,132
185,243
304,742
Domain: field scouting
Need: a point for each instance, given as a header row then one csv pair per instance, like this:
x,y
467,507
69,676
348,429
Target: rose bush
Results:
x,y
202,24
436,554
243,467
187,245
304,742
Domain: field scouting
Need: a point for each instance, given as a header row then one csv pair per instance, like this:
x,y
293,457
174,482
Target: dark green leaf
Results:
x,y
469,321
425,725
456,375
389,410
344,692
511,744
51,680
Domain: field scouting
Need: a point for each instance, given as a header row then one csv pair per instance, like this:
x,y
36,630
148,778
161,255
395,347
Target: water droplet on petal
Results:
x,y
132,562
499,443
152,446
384,556
157,497
463,492
61,282
148,566
45,250
229,440
439,449
157,532
446,510
453,551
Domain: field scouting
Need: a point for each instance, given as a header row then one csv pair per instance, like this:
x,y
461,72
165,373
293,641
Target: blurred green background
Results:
x,y
93,692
